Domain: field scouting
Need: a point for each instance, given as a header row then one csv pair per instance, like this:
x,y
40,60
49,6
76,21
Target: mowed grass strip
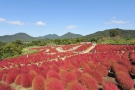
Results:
x,y
28,50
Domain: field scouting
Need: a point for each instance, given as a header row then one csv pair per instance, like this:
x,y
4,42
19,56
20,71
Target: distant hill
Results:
x,y
55,36
70,35
49,36
18,36
26,37
106,33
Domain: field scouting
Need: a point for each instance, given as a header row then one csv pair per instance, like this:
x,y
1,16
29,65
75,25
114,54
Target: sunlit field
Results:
x,y
71,67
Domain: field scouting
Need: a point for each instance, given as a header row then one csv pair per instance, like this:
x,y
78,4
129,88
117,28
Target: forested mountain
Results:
x,y
99,34
106,33
49,36
70,35
26,37
18,36
55,36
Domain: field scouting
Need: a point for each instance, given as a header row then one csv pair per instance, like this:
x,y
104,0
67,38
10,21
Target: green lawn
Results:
x,y
118,41
26,51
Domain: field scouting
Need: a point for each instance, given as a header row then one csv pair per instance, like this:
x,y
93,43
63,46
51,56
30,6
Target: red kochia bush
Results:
x,y
89,82
133,70
117,67
76,86
97,76
11,77
38,83
32,74
126,63
25,80
77,73
68,77
4,77
124,80
5,87
109,86
102,70
53,84
53,74
18,79
1,74
85,67
71,67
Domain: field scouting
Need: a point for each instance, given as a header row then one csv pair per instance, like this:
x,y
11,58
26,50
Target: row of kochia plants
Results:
x,y
77,72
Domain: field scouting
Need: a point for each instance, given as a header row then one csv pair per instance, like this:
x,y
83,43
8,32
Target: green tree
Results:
x,y
114,33
12,49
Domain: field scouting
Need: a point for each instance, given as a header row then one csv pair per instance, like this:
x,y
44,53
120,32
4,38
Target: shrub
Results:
x,y
53,84
53,74
109,86
133,70
68,77
38,83
18,79
71,67
125,63
85,67
11,77
76,86
25,80
124,80
102,70
4,77
89,82
55,67
5,87
117,67
97,76
43,73
77,73
32,74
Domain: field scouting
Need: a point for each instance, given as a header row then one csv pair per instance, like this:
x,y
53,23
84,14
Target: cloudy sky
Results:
x,y
42,17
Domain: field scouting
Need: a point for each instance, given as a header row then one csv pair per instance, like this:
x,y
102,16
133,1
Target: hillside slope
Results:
x,y
106,33
18,36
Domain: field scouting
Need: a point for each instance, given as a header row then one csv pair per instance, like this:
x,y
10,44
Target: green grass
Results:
x,y
118,41
26,51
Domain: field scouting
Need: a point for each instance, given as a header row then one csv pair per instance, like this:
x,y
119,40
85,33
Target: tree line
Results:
x,y
15,48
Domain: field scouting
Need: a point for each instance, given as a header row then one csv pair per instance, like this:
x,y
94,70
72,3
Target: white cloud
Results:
x,y
117,22
71,27
15,22
2,20
11,22
40,23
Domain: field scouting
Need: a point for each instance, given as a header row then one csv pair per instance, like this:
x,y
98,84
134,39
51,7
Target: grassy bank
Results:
x,y
26,51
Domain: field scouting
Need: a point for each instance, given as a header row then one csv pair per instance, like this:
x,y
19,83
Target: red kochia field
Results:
x,y
71,67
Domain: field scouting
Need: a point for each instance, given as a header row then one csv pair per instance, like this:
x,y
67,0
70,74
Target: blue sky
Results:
x,y
42,17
